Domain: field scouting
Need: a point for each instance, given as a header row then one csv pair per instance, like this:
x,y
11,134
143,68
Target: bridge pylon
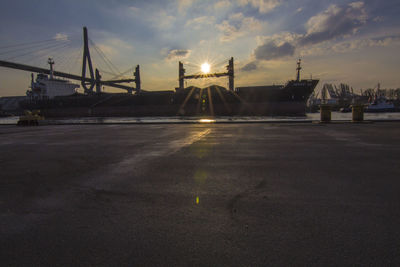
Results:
x,y
87,59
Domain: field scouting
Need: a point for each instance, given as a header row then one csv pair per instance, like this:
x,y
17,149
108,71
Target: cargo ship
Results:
x,y
59,98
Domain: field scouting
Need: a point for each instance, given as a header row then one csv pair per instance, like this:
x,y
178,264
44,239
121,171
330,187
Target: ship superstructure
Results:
x,y
48,87
293,91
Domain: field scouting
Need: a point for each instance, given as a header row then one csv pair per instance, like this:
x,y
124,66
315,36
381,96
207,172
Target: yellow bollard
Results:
x,y
357,112
325,112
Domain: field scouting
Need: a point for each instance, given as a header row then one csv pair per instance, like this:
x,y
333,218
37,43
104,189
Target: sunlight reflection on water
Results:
x,y
336,116
206,121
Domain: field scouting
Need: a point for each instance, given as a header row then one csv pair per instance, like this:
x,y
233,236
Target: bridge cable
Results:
x,y
107,64
104,56
73,60
30,47
125,72
30,44
38,51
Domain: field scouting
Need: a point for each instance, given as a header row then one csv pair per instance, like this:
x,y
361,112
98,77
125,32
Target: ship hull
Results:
x,y
289,100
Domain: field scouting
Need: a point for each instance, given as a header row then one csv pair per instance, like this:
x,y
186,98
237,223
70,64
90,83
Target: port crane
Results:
x,y
88,83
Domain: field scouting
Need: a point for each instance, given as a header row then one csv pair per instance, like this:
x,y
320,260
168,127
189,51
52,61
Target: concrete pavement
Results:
x,y
204,194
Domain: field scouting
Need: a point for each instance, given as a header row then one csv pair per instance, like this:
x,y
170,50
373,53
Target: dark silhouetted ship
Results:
x,y
289,99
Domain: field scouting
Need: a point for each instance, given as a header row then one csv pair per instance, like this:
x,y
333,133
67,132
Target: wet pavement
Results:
x,y
298,194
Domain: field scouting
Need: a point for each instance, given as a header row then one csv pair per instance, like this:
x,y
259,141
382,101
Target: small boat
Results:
x,y
380,104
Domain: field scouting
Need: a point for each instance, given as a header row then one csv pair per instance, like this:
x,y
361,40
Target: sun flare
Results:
x,y
205,67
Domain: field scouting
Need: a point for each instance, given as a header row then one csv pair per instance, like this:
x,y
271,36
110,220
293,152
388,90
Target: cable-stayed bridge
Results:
x,y
68,58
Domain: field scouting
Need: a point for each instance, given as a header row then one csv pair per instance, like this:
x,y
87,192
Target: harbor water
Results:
x,y
336,116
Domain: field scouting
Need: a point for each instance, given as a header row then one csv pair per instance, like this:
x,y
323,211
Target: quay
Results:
x,y
276,194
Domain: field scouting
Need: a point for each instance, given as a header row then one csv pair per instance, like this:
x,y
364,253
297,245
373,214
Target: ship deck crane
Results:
x,y
229,73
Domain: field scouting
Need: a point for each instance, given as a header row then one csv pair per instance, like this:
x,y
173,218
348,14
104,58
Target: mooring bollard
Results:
x,y
357,112
325,112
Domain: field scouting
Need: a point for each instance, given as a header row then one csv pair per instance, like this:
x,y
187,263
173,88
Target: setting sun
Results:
x,y
205,67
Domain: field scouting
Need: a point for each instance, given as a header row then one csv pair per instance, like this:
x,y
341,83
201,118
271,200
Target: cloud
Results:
x,y
145,17
276,46
237,26
263,6
222,4
114,46
271,50
280,38
249,67
198,22
184,4
383,41
178,54
336,21
134,9
349,46
61,37
162,20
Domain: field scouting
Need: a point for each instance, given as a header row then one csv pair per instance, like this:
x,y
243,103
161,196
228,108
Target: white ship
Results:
x,y
379,103
46,87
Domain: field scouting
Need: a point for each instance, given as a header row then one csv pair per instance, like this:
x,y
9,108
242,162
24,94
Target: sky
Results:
x,y
353,42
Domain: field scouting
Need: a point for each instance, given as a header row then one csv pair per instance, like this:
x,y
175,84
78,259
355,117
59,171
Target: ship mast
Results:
x,y
51,63
298,69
